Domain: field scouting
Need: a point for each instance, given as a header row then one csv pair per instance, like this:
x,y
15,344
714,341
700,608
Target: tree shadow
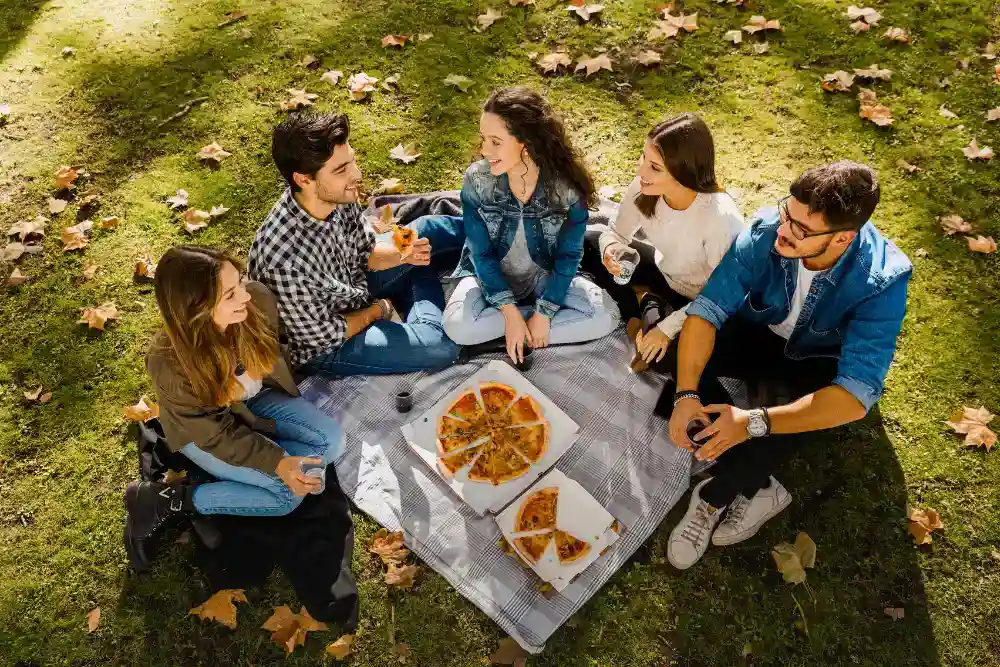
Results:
x,y
16,17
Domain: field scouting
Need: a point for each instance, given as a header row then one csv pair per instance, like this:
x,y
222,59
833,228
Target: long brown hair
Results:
x,y
187,290
531,120
688,151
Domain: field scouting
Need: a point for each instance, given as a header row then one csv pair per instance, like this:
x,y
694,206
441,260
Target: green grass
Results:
x,y
65,464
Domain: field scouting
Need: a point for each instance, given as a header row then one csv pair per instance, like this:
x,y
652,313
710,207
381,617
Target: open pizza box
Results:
x,y
558,551
484,496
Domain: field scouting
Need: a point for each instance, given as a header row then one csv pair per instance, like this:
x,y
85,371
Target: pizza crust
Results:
x,y
452,463
497,397
538,511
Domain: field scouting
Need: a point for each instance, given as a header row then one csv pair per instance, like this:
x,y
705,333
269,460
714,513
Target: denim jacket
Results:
x,y
853,312
554,224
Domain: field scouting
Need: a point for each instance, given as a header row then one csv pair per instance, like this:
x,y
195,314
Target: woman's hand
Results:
x,y
290,472
652,345
516,331
613,267
538,327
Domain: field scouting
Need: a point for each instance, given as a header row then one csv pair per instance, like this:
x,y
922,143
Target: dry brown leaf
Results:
x,y
944,112
32,394
179,200
974,152
110,222
394,40
508,652
874,72
332,77
360,85
288,629
484,21
671,25
734,36
90,269
172,476
952,224
973,423
13,251
897,35
75,237
217,211
595,64
583,10
521,3
792,559
983,244
647,58
16,277
231,18
93,619
142,411
390,547
97,317
220,607
298,100
213,153
27,228
401,576
838,82
877,113
390,82
910,168
993,114
859,27
145,268
88,201
389,186
895,613
551,62
65,176
996,74
196,215
57,206
341,648
405,154
309,61
866,14
922,523
759,23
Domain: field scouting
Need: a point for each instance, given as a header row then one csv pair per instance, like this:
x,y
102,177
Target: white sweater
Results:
x,y
689,244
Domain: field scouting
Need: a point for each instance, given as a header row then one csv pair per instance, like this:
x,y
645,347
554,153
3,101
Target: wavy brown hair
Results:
x,y
187,291
688,151
531,120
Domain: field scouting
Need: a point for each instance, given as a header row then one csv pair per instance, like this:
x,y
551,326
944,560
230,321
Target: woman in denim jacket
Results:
x,y
525,212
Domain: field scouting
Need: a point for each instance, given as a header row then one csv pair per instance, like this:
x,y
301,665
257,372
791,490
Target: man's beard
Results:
x,y
337,197
811,255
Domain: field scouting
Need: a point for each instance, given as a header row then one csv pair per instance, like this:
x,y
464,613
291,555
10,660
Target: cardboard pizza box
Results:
x,y
483,496
577,514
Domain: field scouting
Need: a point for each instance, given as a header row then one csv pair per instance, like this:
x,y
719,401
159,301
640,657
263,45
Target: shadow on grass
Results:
x,y
16,17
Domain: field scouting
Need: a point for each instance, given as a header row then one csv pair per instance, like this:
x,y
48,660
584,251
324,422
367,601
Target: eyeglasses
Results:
x,y
798,231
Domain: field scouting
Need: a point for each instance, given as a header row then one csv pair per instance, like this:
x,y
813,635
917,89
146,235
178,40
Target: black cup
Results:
x,y
404,401
694,427
525,364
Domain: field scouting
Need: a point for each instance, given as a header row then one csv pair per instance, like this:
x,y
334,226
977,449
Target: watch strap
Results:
x,y
767,420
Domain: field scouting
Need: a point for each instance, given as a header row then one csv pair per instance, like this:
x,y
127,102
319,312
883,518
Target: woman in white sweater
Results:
x,y
689,223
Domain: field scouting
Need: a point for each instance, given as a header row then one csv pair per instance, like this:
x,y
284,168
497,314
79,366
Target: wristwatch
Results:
x,y
759,424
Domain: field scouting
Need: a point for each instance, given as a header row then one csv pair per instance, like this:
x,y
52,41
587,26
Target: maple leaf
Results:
x,y
309,61
16,277
97,316
142,411
922,523
647,58
946,113
390,547
394,40
759,23
93,619
401,576
761,49
65,176
75,237
595,64
895,613
671,25
289,629
231,18
179,200
897,35
404,154
973,424
341,648
508,652
145,269
734,36
583,10
993,114
217,211
213,153
459,81
298,100
57,206
389,186
974,152
910,168
13,251
220,607
332,77
877,113
110,222
359,85
866,14
90,270
792,559
859,27
551,62
484,21
983,244
33,394
26,228
874,72
839,81
390,81
954,223
172,476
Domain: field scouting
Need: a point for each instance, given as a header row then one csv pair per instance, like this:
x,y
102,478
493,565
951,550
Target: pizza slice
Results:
x,y
403,238
449,426
498,463
569,548
468,408
525,410
533,547
497,398
531,441
453,443
452,463
538,511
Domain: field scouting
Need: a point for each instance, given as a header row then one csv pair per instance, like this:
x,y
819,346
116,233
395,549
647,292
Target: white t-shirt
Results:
x,y
689,244
803,281
250,386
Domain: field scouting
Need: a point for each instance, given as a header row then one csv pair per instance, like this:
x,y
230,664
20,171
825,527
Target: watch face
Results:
x,y
756,427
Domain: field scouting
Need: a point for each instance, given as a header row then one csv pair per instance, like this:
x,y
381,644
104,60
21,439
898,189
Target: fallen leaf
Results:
x,y
390,547
298,100
341,648
793,559
110,222
401,576
65,176
179,200
911,168
866,14
647,58
996,74
68,51
394,40
424,36
952,224
874,72
404,154
88,201
508,652
990,52
895,613
75,237
246,34
859,27
93,619
309,61
974,152
142,411
993,114
920,252
761,49
145,269
57,206
389,186
289,629
220,607
484,21
32,394
922,523
192,227
595,64
16,277
459,81
877,113
90,270
27,228
839,81
671,25
759,23
332,77
973,423
96,317
359,85
231,18
217,211
389,82
213,153
983,244
13,251
946,113
585,11
897,35
551,62
734,36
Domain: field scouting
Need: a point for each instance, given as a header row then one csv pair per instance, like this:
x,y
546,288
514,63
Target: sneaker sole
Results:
x,y
136,554
746,535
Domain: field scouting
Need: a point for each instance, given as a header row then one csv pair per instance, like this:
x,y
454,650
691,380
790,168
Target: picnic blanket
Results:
x,y
622,457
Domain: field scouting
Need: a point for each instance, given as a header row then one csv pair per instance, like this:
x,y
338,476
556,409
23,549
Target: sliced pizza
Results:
x,y
449,426
453,443
497,397
533,547
468,408
538,511
525,410
497,464
452,463
532,441
403,238
569,548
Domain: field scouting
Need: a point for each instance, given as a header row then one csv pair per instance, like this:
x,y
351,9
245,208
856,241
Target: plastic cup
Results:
x,y
627,259
317,470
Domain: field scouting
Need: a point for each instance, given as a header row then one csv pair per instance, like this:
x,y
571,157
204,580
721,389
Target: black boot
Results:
x,y
149,508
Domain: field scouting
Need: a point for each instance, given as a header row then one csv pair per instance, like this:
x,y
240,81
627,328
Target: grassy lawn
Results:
x,y
64,464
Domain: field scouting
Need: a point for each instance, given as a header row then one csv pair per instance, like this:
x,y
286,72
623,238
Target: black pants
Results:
x,y
646,274
755,355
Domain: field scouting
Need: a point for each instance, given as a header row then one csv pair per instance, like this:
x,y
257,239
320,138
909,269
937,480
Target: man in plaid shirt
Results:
x,y
336,285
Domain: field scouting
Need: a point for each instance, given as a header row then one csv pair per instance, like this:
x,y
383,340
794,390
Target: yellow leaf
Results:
x,y
341,648
220,607
922,523
142,411
96,317
93,619
401,576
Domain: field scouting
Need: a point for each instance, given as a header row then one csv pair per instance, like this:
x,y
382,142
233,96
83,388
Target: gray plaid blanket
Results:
x,y
622,457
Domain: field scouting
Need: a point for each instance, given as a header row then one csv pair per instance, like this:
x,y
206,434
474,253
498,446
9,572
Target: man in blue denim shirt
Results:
x,y
811,296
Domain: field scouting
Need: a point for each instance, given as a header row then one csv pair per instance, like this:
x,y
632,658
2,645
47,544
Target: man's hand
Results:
x,y
516,332
290,472
652,345
728,430
419,253
684,412
538,328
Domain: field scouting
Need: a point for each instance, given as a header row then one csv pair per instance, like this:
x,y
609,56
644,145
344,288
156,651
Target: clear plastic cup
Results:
x,y
627,259
315,469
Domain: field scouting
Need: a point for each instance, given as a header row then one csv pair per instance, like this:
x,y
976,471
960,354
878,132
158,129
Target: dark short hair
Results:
x,y
304,141
688,151
846,193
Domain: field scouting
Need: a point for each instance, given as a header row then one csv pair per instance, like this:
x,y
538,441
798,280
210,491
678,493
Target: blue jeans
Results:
x,y
419,343
301,430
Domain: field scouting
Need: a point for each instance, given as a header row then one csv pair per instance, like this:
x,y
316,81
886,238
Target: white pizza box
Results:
x,y
578,514
421,434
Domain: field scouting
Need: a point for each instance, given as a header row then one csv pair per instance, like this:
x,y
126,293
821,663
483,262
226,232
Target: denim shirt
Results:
x,y
555,221
853,311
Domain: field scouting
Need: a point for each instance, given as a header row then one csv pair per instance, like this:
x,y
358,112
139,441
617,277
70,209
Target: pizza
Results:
x,y
531,441
538,511
452,463
467,408
535,527
453,443
497,398
449,426
525,410
569,548
533,546
498,463
403,238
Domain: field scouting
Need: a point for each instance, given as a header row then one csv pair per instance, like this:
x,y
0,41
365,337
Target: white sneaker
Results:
x,y
689,538
745,517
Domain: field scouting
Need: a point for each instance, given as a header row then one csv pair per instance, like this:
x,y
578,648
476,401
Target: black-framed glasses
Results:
x,y
798,231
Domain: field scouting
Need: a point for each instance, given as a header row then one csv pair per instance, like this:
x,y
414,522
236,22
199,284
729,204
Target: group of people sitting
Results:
x,y
809,295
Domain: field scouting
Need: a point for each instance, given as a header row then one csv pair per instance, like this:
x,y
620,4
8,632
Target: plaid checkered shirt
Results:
x,y
316,269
